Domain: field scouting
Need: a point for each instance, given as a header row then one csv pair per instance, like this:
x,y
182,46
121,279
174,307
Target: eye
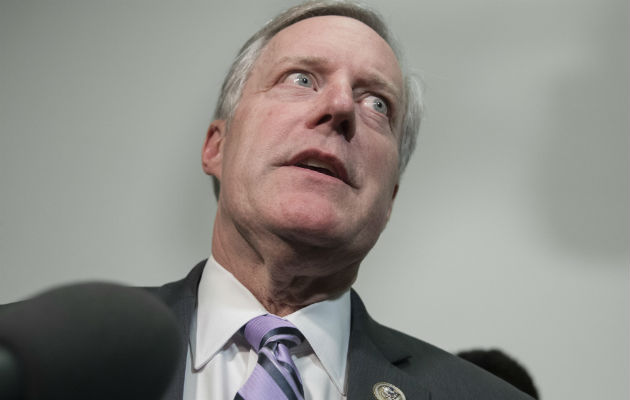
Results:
x,y
378,104
301,79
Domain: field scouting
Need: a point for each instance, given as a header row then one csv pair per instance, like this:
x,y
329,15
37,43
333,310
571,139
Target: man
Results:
x,y
314,126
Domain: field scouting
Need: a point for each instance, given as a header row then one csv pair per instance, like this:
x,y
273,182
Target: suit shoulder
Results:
x,y
449,376
445,375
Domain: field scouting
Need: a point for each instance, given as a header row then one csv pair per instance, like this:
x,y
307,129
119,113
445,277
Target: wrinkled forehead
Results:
x,y
340,40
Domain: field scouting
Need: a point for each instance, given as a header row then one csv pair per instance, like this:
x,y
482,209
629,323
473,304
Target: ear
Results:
x,y
212,151
391,205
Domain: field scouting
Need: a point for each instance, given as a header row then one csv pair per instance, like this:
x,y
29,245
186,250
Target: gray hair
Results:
x,y
242,66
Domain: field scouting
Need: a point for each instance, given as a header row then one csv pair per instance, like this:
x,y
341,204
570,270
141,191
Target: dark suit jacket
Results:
x,y
375,354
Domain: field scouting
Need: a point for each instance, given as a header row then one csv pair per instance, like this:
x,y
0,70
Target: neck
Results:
x,y
283,276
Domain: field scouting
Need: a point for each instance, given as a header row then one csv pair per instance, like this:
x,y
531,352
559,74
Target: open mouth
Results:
x,y
322,163
318,166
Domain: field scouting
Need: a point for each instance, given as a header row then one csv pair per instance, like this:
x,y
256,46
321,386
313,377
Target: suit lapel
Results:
x,y
181,297
372,358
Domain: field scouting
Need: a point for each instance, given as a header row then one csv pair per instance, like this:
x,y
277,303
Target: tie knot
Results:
x,y
265,330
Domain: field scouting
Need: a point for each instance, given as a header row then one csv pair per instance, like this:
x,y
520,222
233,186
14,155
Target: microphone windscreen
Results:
x,y
92,341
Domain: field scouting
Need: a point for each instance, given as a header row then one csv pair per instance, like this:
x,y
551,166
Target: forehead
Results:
x,y
341,42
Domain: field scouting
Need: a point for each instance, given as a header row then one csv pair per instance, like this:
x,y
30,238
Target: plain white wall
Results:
x,y
510,228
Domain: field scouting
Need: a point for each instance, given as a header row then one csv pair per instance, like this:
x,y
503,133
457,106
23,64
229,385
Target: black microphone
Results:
x,y
88,341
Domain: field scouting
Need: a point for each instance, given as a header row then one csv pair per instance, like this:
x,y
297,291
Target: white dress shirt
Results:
x,y
220,360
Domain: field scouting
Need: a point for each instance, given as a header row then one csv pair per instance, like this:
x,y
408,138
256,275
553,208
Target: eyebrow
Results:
x,y
309,61
377,82
371,80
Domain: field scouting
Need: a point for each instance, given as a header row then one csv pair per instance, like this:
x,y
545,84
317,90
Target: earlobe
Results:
x,y
212,151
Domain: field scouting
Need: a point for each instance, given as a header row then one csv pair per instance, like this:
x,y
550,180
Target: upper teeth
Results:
x,y
318,164
310,162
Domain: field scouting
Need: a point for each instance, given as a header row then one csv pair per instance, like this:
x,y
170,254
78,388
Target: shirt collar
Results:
x,y
326,327
225,305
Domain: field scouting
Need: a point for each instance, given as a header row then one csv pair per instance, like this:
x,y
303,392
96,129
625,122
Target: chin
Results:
x,y
312,222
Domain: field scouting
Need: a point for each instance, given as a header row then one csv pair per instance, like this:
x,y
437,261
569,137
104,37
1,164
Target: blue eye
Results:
x,y
302,79
378,104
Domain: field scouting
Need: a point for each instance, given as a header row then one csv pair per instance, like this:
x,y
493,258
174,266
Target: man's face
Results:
x,y
311,154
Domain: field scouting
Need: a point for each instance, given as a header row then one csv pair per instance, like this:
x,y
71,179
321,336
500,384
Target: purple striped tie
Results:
x,y
275,376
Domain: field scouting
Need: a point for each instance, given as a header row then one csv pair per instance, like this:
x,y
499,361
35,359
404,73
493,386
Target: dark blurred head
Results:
x,y
503,366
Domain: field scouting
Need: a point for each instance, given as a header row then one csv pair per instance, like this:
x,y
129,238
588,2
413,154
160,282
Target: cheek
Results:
x,y
383,162
264,123
384,169
255,142
270,114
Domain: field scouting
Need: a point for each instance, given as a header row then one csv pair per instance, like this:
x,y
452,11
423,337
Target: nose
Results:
x,y
335,109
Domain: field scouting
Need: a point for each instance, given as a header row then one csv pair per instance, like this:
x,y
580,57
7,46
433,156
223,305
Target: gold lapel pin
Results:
x,y
387,391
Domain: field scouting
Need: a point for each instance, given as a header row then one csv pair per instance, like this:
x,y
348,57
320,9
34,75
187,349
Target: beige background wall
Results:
x,y
510,228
